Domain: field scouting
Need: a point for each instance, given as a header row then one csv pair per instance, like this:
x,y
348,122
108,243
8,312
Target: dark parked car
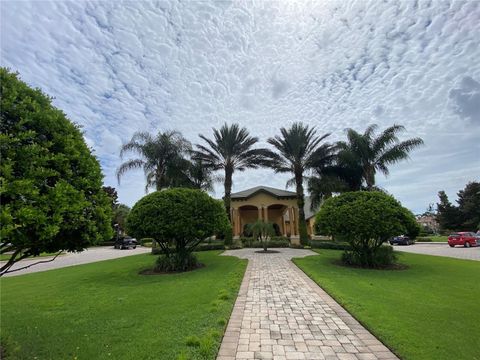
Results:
x,y
401,240
126,243
464,238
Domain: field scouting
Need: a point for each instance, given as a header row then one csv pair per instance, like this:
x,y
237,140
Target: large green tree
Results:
x,y
230,150
465,216
362,155
163,158
50,183
298,148
469,205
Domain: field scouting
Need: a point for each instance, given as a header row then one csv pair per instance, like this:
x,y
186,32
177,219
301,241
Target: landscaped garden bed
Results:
x,y
428,311
106,310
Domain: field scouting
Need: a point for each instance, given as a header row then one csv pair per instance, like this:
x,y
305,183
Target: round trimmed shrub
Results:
x,y
365,219
178,220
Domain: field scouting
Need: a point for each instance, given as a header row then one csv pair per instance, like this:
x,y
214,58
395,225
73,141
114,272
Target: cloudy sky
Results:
x,y
120,67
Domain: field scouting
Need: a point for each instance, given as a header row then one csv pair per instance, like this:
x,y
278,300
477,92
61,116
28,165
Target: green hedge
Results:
x,y
322,244
424,239
201,247
275,241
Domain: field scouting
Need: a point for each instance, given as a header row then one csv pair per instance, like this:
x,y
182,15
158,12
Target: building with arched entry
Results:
x,y
270,205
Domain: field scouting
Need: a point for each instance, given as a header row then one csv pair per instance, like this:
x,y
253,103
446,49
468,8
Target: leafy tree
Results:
x,y
120,214
162,158
366,219
448,215
230,150
362,155
112,194
465,216
50,183
469,205
178,219
263,231
298,150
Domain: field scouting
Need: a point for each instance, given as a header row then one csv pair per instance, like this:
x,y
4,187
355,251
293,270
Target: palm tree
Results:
x,y
200,176
230,150
162,158
365,154
297,149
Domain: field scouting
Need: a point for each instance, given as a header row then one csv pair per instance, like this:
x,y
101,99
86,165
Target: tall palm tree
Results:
x,y
162,158
297,149
365,154
200,176
230,150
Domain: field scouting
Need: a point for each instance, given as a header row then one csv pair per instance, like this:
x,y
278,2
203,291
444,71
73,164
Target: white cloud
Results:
x,y
116,68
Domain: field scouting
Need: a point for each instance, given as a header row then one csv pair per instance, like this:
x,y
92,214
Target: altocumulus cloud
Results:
x,y
119,67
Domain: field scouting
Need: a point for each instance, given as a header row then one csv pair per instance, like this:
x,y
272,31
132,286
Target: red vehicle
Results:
x,y
466,239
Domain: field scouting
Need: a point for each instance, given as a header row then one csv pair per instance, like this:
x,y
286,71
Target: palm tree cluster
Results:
x,y
169,160
166,161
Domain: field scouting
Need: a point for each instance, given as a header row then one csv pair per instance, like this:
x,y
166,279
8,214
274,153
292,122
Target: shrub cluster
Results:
x,y
333,245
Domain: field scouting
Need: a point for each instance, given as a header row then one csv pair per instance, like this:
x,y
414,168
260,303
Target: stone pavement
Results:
x,y
280,313
458,252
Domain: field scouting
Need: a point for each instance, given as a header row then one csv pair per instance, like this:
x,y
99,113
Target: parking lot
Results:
x,y
443,249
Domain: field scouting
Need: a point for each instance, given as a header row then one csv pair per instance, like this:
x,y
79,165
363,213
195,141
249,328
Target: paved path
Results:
x,y
70,259
459,252
282,314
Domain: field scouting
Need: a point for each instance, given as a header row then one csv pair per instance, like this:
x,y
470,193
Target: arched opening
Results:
x,y
276,215
248,214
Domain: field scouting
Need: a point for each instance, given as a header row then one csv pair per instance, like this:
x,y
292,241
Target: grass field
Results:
x,y
429,311
106,310
6,257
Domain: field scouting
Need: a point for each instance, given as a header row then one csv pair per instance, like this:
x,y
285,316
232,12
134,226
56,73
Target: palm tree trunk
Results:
x,y
228,191
302,224
370,177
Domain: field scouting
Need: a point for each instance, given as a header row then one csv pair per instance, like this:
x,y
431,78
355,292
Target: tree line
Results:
x,y
170,160
466,215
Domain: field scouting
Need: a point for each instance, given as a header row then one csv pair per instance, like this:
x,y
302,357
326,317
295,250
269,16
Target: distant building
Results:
x,y
428,221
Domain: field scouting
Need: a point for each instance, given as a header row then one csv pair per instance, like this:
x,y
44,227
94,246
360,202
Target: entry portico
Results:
x,y
268,204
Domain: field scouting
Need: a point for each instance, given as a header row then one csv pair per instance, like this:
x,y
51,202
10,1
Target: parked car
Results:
x,y
401,240
126,243
464,238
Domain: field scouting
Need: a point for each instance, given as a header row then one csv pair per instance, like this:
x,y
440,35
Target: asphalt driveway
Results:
x,y
458,252
90,255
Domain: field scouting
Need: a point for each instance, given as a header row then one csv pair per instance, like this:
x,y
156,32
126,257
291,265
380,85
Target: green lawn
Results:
x,y
439,238
430,311
106,310
6,257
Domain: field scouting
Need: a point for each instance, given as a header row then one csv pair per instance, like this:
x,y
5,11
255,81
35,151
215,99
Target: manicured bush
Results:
x,y
366,219
179,220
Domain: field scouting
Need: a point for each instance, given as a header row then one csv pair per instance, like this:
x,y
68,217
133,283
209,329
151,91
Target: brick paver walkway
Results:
x,y
282,314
